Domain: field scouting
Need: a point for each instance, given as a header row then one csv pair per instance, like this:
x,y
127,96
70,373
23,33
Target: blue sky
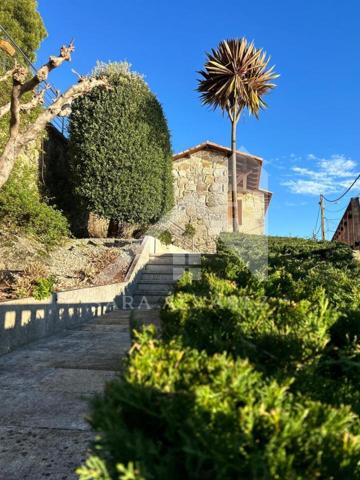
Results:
x,y
310,135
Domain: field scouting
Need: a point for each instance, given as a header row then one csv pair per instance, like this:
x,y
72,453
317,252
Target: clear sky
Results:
x,y
310,135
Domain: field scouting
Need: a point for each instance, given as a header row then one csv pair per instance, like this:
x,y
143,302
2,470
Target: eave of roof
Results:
x,y
213,146
268,197
348,209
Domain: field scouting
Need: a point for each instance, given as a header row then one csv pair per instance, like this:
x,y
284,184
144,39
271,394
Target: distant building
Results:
x,y
202,192
348,230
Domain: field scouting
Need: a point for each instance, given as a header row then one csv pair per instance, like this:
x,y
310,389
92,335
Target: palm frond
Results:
x,y
236,76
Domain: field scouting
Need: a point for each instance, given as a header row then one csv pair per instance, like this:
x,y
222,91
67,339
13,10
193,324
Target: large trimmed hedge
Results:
x,y
120,149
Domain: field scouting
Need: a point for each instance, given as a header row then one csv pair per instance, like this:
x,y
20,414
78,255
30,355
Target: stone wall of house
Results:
x,y
253,212
200,190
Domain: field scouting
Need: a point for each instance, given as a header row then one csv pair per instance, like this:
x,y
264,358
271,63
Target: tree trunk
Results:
x,y
234,199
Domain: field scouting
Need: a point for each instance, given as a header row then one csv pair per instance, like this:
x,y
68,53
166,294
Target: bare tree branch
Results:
x,y
79,76
38,99
60,107
7,75
42,74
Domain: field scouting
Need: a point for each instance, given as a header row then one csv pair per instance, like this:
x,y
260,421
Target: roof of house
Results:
x,y
207,145
246,163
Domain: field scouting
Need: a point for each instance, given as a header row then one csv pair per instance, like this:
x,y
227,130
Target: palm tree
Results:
x,y
235,77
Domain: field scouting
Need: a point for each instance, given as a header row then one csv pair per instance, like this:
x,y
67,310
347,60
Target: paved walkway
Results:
x,y
45,386
44,393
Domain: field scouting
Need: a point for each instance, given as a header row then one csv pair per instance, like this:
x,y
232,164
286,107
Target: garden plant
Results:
x,y
120,149
253,376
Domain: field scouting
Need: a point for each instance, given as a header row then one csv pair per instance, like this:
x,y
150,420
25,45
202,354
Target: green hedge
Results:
x,y
120,152
254,376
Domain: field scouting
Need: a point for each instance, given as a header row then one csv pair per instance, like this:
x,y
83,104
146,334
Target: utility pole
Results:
x,y
322,210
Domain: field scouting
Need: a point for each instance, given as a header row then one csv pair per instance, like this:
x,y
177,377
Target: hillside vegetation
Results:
x,y
255,375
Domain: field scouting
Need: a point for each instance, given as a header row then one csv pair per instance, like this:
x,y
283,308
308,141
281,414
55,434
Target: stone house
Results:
x,y
203,197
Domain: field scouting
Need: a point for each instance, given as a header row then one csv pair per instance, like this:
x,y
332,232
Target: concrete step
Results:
x,y
177,270
147,277
175,259
151,293
143,307
148,299
154,287
116,316
113,321
146,314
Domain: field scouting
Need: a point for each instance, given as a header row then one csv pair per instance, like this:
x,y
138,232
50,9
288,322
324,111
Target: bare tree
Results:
x,y
61,106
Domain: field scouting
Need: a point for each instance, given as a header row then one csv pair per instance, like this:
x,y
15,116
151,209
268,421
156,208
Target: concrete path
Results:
x,y
45,387
44,393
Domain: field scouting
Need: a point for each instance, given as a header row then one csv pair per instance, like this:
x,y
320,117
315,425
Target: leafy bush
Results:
x,y
23,209
34,282
180,413
43,288
189,230
165,237
120,149
254,376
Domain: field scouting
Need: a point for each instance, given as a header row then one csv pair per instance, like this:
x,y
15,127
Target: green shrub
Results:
x,y
189,230
179,413
23,209
165,237
217,316
43,288
120,149
254,376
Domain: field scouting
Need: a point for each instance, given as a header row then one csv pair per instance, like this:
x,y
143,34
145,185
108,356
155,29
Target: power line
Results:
x,y
339,210
317,220
346,191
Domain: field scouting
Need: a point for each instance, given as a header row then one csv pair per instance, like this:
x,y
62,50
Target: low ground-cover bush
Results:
x,y
180,413
254,376
35,282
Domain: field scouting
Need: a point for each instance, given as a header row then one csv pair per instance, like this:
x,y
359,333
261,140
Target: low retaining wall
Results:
x,y
25,320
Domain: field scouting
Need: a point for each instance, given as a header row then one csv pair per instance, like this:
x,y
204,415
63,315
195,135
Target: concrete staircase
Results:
x,y
159,276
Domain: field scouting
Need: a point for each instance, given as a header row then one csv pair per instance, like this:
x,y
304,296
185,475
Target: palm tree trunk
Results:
x,y
235,212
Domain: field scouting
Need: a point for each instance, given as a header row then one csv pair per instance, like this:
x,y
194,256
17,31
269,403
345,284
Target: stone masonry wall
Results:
x,y
201,191
253,212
